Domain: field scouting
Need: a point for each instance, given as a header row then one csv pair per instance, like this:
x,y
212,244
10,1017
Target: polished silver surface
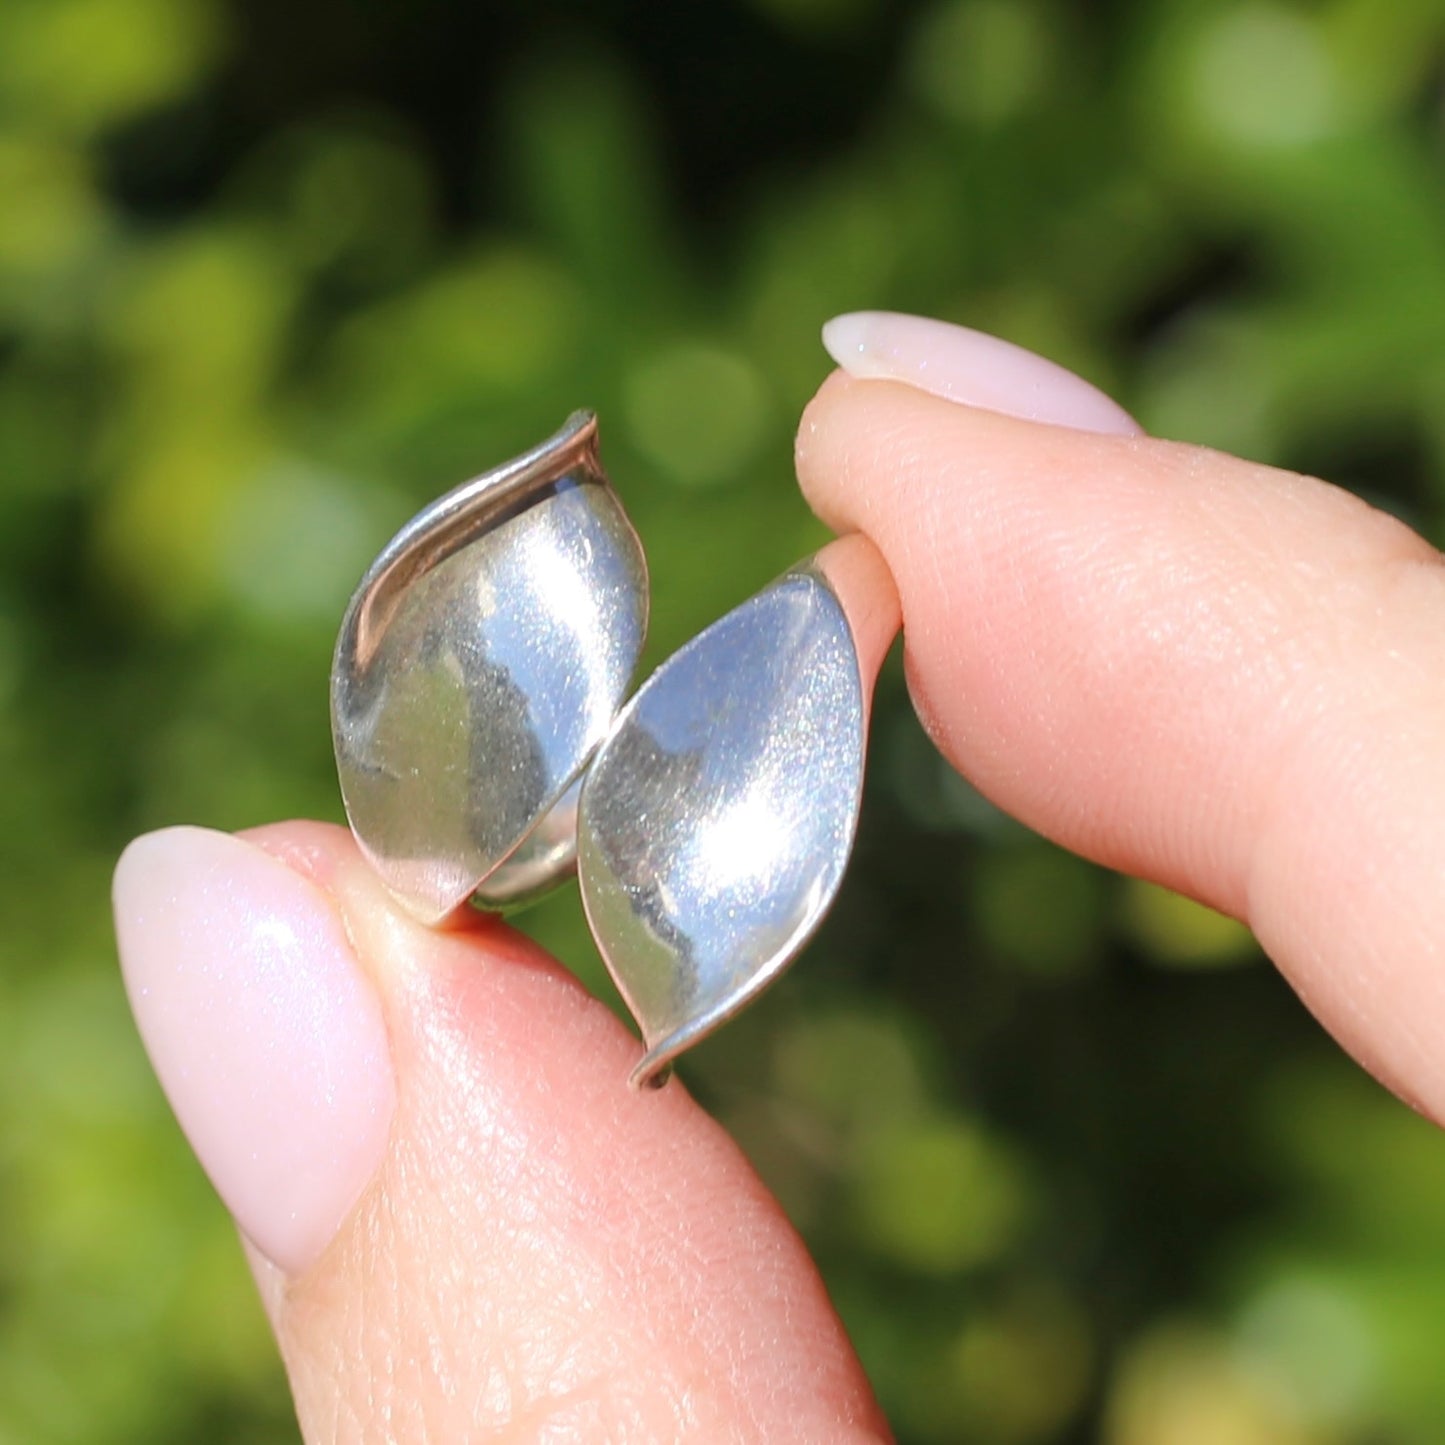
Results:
x,y
716,820
547,857
480,662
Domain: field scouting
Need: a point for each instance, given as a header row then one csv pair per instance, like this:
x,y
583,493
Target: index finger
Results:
x,y
1212,674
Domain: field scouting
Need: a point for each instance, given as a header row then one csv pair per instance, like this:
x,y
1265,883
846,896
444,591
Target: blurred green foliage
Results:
x,y
1075,1165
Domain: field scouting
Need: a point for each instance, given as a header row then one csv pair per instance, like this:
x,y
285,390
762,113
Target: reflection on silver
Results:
x,y
716,820
547,857
480,662
480,667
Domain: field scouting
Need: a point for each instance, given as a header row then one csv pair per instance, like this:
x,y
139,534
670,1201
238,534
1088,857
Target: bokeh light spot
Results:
x,y
1022,1368
296,543
1180,933
698,412
818,1061
1307,1339
49,211
1182,1385
981,62
85,64
1263,76
937,1195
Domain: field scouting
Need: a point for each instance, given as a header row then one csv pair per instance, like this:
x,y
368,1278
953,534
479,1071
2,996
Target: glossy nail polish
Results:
x,y
969,367
267,1038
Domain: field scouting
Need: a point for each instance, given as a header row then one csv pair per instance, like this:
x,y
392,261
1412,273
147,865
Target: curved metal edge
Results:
x,y
654,1068
445,526
563,866
438,531
544,858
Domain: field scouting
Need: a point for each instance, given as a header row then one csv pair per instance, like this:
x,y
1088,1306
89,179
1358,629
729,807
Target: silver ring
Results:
x,y
484,750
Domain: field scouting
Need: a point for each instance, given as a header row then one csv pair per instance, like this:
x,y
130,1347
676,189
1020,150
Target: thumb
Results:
x,y
463,1223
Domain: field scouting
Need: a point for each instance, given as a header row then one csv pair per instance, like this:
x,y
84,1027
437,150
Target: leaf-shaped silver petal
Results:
x,y
716,820
481,661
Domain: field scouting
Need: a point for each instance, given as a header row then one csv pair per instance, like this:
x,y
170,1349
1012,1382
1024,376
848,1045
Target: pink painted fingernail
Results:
x,y
970,367
267,1038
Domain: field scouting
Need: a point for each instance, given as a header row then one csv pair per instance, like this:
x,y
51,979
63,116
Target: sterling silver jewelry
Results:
x,y
717,818
479,664
484,752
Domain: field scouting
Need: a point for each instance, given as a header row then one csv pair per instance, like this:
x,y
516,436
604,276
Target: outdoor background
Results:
x,y
1075,1164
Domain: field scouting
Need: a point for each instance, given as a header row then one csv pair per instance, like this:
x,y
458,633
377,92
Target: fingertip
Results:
x,y
610,1252
265,1034
1203,671
817,480
865,589
970,367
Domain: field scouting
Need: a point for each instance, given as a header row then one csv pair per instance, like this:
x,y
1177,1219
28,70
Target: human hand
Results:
x,y
1209,673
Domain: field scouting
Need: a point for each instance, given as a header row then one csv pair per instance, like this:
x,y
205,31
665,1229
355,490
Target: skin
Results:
x,y
1212,674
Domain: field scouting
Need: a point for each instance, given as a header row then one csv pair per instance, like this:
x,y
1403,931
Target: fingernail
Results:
x,y
267,1038
969,367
